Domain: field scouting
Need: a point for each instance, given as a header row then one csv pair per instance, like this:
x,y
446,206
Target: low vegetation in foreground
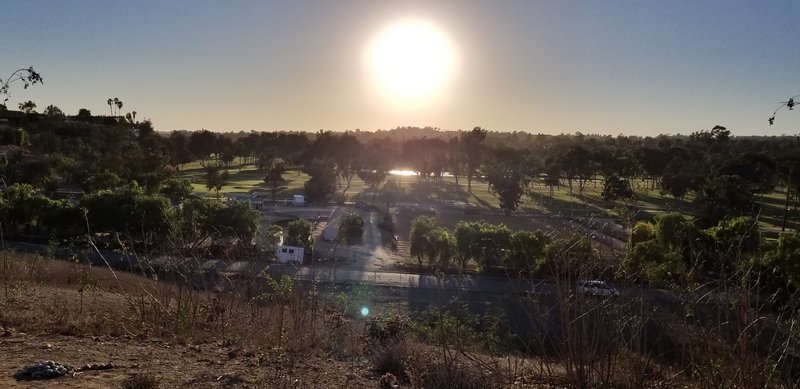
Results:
x,y
168,330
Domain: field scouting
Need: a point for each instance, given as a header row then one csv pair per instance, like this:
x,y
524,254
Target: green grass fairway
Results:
x,y
589,203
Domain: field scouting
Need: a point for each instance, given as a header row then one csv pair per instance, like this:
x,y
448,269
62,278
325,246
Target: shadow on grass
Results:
x,y
436,191
555,205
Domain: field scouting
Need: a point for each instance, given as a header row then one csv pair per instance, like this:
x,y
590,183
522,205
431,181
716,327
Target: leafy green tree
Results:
x,y
176,190
455,158
472,148
525,249
677,185
576,163
440,248
322,184
63,219
425,157
467,237
131,213
351,227
486,244
571,259
677,234
149,218
725,196
713,140
236,221
376,162
493,244
372,178
674,231
23,207
202,144
734,240
617,188
298,233
271,236
642,231
650,262
195,222
789,176
653,161
784,264
419,237
179,151
216,178
274,175
347,155
758,170
389,193
552,177
507,176
100,181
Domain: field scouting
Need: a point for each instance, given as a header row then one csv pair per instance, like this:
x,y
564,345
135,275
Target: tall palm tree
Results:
x,y
118,103
110,105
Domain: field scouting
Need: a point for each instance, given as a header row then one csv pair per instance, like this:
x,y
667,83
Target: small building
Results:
x,y
286,254
256,202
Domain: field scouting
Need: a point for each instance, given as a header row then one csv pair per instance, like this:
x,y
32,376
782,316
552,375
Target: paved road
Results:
x,y
331,274
410,282
369,254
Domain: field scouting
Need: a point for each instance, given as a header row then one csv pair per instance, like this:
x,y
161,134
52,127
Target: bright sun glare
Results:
x,y
411,61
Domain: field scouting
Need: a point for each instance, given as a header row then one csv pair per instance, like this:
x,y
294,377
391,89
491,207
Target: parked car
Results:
x,y
596,288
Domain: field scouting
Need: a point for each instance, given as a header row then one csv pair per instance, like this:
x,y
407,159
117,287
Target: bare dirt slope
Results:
x,y
43,316
211,365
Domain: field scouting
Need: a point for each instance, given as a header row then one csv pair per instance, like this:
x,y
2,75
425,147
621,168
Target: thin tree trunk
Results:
x,y
786,202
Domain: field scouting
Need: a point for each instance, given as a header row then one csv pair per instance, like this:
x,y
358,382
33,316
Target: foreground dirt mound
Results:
x,y
212,365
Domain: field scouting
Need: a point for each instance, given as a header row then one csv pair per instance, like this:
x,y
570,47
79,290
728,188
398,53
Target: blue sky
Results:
x,y
609,67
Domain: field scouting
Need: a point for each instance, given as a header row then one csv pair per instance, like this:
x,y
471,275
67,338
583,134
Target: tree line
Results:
x,y
89,153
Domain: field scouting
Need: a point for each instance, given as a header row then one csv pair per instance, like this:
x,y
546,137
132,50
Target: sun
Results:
x,y
411,61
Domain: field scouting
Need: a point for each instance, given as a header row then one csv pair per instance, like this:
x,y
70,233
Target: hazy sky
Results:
x,y
610,67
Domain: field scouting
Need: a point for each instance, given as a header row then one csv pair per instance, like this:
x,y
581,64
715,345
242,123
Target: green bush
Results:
x,y
642,231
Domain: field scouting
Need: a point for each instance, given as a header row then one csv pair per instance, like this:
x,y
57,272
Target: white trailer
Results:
x,y
286,254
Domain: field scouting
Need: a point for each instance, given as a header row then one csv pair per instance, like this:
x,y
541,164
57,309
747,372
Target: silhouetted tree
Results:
x,y
725,196
419,237
27,77
471,143
274,175
28,107
84,115
616,188
53,111
322,183
507,176
216,178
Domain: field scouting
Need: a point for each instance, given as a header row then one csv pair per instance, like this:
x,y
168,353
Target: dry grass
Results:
x,y
577,342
